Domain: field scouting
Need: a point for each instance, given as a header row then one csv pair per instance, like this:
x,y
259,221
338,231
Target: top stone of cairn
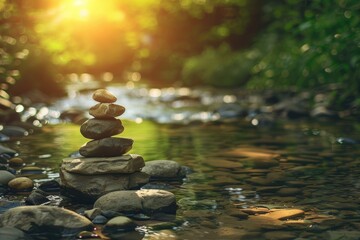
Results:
x,y
104,96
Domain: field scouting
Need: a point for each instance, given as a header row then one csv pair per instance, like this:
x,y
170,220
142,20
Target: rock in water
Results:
x,y
146,201
106,147
106,110
43,219
162,169
5,177
104,96
101,128
21,184
89,166
92,187
119,224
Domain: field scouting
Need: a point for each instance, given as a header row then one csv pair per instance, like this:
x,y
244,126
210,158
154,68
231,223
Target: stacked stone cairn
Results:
x,y
104,165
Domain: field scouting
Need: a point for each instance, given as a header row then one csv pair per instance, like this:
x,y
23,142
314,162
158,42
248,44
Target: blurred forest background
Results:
x,y
254,44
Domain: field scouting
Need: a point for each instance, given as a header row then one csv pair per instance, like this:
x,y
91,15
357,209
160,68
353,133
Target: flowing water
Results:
x,y
306,165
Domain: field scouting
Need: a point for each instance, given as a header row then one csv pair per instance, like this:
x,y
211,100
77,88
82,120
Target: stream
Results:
x,y
242,170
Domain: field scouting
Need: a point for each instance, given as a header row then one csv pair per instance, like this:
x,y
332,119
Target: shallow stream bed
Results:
x,y
294,179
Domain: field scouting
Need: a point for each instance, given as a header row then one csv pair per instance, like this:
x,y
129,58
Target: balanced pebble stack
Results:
x,y
103,126
104,166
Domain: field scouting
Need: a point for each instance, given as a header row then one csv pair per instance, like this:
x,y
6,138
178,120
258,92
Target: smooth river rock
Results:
x,y
101,128
119,224
21,184
106,110
40,219
158,169
93,186
129,163
5,177
146,201
104,96
106,147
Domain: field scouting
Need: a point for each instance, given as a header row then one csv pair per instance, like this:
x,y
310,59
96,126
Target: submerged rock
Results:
x,y
21,184
101,128
8,151
145,201
106,147
5,177
122,164
119,224
43,219
16,162
158,169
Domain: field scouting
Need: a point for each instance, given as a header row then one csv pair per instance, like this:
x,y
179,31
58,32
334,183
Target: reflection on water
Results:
x,y
296,164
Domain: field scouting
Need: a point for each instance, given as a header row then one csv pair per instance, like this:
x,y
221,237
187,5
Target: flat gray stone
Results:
x,y
95,186
106,147
122,164
101,128
39,219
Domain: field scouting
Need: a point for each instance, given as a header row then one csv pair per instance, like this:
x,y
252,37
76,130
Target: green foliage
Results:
x,y
308,44
305,44
219,67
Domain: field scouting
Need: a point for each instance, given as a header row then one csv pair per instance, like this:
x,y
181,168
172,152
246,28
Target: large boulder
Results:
x,y
101,128
164,169
93,186
146,201
122,164
42,219
106,147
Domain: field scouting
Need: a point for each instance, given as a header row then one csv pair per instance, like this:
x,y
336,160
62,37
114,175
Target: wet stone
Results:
x,y
101,128
104,96
106,110
16,162
5,177
285,214
255,210
106,147
36,219
36,197
99,219
158,169
21,184
89,187
92,213
50,186
8,151
145,201
119,224
122,164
